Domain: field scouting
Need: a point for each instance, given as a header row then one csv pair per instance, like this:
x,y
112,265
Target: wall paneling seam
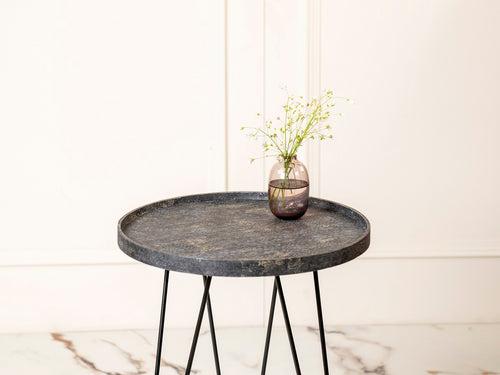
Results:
x,y
314,86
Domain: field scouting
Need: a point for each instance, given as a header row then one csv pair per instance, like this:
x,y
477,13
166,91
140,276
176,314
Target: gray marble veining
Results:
x,y
235,234
370,350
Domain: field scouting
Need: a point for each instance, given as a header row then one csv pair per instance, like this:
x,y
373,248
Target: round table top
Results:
x,y
235,234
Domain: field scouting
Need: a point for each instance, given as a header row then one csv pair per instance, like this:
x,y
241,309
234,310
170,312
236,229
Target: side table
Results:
x,y
235,234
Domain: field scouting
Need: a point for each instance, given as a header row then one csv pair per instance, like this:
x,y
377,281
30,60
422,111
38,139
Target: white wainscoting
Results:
x,y
109,105
94,297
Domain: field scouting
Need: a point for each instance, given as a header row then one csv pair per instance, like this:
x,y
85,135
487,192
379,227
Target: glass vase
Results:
x,y
288,189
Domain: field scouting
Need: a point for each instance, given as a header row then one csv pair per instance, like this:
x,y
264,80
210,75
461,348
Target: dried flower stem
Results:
x,y
303,120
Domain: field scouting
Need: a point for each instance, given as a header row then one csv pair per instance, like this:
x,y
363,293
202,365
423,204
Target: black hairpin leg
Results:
x,y
320,321
288,326
162,321
279,289
212,330
204,299
269,329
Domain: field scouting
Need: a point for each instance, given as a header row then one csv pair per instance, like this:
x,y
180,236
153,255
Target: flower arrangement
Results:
x,y
282,137
301,120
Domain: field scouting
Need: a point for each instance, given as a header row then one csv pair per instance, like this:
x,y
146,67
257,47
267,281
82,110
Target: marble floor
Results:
x,y
381,350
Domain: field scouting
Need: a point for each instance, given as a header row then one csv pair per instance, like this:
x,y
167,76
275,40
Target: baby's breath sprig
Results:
x,y
302,120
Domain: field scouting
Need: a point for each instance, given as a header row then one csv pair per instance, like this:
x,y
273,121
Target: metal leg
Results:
x,y
320,321
162,321
198,325
212,330
277,290
269,329
288,327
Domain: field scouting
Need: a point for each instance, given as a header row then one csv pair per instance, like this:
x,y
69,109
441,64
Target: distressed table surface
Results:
x,y
235,234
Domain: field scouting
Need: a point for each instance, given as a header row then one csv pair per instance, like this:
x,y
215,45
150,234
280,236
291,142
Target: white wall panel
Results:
x,y
99,297
106,105
399,291
373,291
417,152
245,92
285,56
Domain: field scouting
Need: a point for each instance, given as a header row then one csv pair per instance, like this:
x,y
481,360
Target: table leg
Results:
x,y
277,290
269,329
162,321
320,322
288,326
212,330
198,324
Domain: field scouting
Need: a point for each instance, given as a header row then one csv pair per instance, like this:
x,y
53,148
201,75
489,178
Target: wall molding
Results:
x,y
44,258
34,258
433,254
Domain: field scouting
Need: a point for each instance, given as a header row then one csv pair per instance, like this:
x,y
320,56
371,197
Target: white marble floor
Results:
x,y
381,350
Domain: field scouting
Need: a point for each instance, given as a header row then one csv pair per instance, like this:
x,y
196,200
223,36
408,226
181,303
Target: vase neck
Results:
x,y
292,158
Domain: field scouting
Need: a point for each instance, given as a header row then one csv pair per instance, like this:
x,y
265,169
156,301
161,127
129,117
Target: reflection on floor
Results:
x,y
381,350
